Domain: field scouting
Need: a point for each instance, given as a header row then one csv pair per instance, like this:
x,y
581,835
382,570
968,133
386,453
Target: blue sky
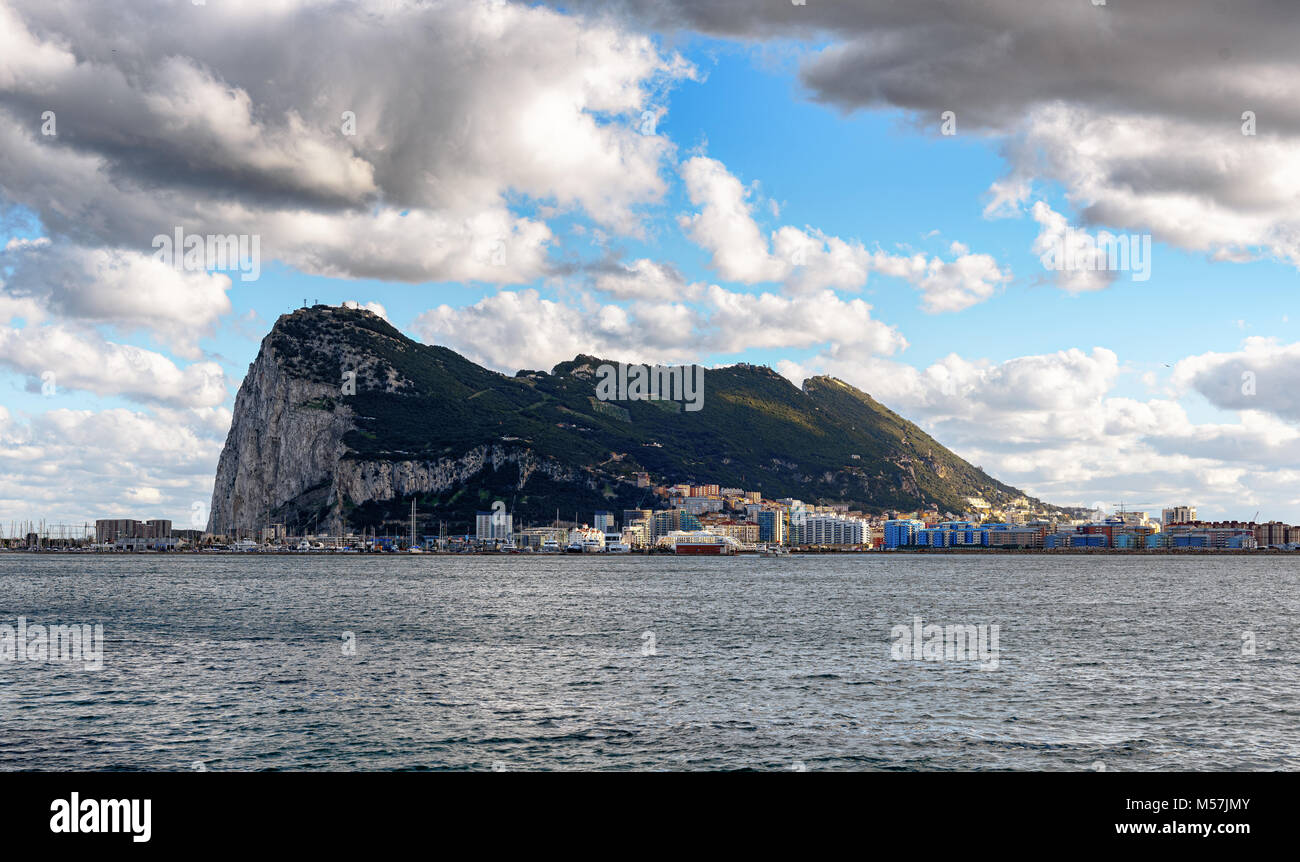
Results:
x,y
1078,389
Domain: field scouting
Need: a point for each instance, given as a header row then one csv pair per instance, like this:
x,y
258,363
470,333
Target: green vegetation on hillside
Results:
x,y
827,442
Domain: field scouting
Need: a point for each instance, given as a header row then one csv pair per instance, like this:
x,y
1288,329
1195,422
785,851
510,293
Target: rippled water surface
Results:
x,y
237,663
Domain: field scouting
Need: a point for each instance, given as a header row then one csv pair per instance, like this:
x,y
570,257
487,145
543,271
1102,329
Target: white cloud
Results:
x,y
132,291
725,226
1263,376
645,279
1077,263
70,465
513,329
809,261
953,285
68,358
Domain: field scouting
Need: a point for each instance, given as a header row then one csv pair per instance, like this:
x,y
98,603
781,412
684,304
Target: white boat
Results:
x,y
618,548
585,540
699,543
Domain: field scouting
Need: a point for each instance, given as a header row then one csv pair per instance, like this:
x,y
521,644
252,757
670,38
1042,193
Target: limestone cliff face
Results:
x,y
284,444
387,480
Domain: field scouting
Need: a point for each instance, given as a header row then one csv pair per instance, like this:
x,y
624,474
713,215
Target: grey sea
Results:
x,y
633,663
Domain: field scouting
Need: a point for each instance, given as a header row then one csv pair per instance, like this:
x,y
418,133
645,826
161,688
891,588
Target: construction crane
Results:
x,y
1123,507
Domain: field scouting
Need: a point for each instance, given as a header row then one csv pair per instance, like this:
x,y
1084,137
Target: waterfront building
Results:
x,y
540,538
824,529
931,537
1178,515
1199,534
604,521
1274,534
158,528
951,534
672,520
1011,535
494,527
901,532
273,533
109,530
637,534
771,526
631,516
797,517
745,532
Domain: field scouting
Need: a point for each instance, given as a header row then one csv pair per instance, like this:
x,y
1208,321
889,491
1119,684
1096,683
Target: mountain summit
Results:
x,y
342,420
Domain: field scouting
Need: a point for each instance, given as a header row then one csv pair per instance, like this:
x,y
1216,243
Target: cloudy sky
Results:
x,y
865,189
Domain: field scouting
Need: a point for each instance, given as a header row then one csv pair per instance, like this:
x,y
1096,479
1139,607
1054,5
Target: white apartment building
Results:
x,y
835,530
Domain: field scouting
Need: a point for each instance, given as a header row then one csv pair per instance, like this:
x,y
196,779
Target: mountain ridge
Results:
x,y
423,421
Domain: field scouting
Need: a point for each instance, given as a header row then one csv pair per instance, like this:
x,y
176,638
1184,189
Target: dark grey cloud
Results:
x,y
1135,108
1264,376
991,58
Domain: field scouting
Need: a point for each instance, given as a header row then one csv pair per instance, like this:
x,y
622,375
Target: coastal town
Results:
x,y
710,520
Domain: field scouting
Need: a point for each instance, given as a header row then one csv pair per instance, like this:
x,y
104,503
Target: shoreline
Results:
x,y
792,552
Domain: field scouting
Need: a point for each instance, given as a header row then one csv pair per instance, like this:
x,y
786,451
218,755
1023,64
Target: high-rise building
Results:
x,y
795,523
159,528
1178,515
109,530
494,526
673,520
604,521
631,516
834,530
1271,534
771,526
